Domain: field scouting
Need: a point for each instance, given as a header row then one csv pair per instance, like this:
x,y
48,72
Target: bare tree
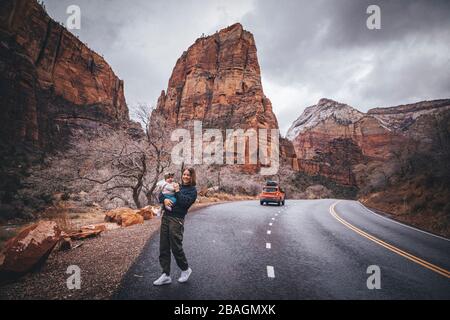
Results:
x,y
110,165
157,133
123,165
116,162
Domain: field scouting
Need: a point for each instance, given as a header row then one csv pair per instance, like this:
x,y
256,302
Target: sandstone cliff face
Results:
x,y
330,138
217,80
287,153
49,79
55,93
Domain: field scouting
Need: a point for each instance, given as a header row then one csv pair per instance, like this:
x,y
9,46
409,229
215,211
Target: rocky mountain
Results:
x,y
54,91
330,138
50,80
325,109
218,81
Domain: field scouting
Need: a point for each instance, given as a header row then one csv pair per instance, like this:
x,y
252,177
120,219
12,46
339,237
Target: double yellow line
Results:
x,y
390,247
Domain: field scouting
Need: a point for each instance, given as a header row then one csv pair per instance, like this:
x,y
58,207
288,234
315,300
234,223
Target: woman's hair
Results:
x,y
192,174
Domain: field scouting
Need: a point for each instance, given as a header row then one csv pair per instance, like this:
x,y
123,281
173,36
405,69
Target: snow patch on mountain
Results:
x,y
405,116
324,109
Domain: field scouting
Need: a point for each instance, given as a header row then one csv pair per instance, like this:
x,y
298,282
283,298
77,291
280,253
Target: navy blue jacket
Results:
x,y
185,198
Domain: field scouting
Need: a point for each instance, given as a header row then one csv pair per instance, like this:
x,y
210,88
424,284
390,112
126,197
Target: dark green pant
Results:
x,y
171,239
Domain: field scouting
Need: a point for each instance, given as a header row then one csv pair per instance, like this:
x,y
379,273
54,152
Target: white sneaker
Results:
x,y
164,279
185,275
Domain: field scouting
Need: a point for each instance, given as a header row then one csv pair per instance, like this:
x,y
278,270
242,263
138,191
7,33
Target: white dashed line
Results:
x,y
268,245
269,232
270,224
276,214
273,219
270,272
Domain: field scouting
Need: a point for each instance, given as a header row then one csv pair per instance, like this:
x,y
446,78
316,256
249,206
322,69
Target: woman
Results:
x,y
172,228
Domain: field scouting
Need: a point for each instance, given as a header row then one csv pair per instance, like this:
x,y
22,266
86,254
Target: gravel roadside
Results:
x,y
102,260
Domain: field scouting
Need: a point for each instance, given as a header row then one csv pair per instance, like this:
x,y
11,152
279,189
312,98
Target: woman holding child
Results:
x,y
176,201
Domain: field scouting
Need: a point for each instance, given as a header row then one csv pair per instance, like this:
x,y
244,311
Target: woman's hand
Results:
x,y
176,187
168,202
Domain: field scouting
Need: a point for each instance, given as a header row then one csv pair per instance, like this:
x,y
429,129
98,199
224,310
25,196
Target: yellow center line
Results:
x,y
390,247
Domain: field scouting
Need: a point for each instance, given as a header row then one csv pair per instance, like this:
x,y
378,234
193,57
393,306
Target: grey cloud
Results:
x,y
307,49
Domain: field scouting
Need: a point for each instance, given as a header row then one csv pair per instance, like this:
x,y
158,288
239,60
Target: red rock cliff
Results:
x,y
330,138
217,80
49,78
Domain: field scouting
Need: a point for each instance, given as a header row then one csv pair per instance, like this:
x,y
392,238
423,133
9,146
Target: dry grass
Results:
x,y
70,218
59,214
414,205
222,196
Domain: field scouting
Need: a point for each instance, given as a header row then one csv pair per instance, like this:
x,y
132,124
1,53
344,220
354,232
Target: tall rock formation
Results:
x,y
54,92
49,79
218,81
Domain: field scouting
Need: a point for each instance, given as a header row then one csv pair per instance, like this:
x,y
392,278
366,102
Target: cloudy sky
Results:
x,y
307,49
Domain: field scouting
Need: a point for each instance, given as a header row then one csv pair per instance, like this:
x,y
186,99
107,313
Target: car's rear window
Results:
x,y
270,189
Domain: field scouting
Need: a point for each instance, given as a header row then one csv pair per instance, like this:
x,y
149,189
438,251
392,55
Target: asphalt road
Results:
x,y
316,249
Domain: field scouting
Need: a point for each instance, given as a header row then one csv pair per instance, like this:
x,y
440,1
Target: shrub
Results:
x,y
46,197
65,196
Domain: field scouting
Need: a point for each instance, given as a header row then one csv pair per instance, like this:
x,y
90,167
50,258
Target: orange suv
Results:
x,y
272,192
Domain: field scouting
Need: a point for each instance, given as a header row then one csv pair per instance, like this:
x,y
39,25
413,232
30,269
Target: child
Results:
x,y
167,189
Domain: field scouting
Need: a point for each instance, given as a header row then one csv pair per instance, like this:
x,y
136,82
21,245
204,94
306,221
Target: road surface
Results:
x,y
308,249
